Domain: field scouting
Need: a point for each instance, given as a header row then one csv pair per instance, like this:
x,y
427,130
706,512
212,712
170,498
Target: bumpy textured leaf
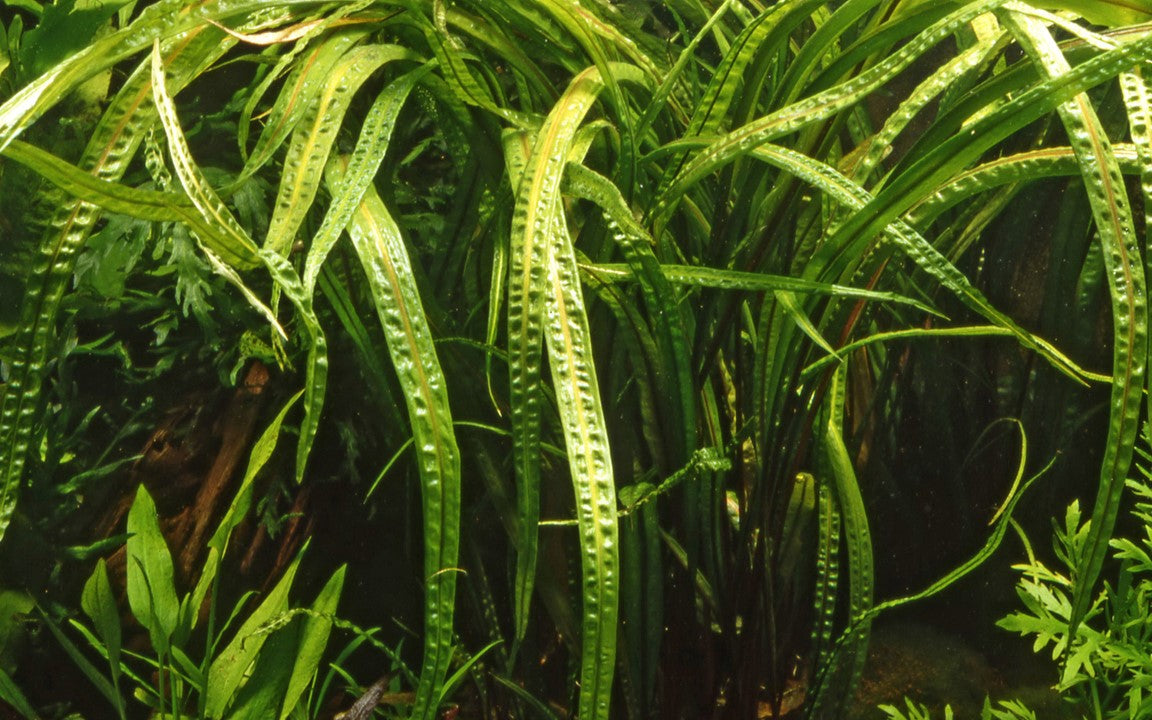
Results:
x,y
545,299
838,685
214,210
375,133
113,143
1127,290
309,64
388,269
312,140
164,19
809,110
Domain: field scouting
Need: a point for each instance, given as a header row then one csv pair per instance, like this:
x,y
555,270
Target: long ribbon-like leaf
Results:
x,y
544,283
214,211
386,264
114,142
1127,291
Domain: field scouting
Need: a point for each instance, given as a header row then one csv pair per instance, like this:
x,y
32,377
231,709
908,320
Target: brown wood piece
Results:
x,y
236,428
172,466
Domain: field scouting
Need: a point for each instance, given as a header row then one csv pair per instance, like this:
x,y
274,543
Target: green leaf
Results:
x,y
838,684
151,588
113,143
310,64
312,140
234,245
81,661
99,605
11,694
371,146
312,641
1108,197
545,302
231,666
388,269
1110,13
66,27
259,698
548,273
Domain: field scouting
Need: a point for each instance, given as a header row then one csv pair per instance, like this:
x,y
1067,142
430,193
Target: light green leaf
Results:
x,y
151,588
312,139
230,667
388,269
99,605
1108,197
313,641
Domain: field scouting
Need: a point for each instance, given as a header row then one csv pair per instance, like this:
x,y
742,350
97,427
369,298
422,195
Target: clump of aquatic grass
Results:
x,y
652,269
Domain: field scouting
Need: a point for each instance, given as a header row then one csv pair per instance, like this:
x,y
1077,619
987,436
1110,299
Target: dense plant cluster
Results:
x,y
600,347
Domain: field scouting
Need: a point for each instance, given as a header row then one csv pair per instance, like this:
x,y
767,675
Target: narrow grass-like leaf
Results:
x,y
1029,165
505,47
827,583
261,453
526,268
388,269
313,137
114,141
912,243
676,72
111,196
1127,291
947,157
213,209
817,107
959,331
706,277
939,82
788,302
81,661
959,572
229,669
316,368
639,346
1138,100
375,133
662,301
460,78
10,691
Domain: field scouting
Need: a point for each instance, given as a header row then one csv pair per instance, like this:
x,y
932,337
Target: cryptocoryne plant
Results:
x,y
640,288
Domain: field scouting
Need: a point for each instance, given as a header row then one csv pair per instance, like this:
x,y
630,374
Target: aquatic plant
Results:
x,y
1006,710
640,288
1103,660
